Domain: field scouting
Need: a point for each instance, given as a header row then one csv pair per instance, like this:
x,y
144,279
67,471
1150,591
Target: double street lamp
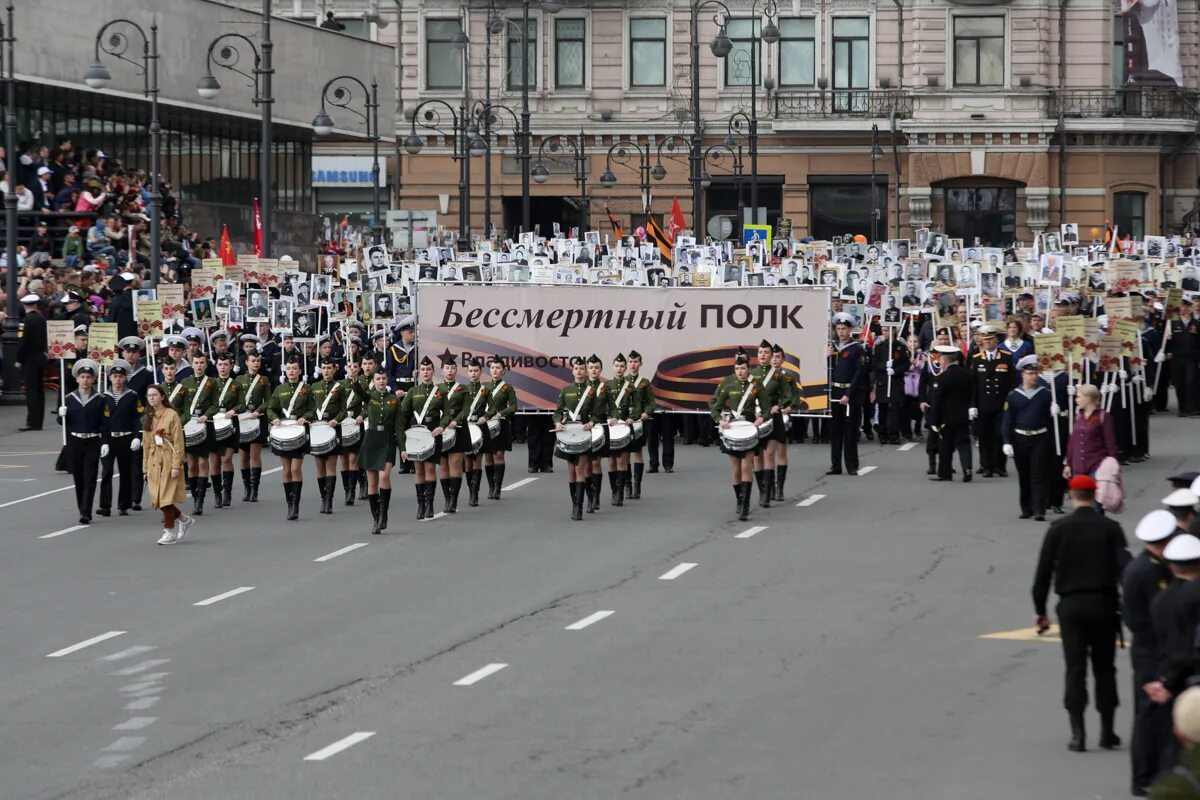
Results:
x,y
11,338
339,93
621,152
229,57
876,155
483,117
431,116
117,44
556,146
721,46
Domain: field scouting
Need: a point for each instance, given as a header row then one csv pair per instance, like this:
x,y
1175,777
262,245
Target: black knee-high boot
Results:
x,y
747,490
385,502
490,471
619,490
218,495
373,501
499,482
227,481
612,487
474,478
288,493
420,489
348,486
246,485
455,487
577,491
362,484
198,491
769,480
780,477
637,480
255,480
737,492
294,511
445,482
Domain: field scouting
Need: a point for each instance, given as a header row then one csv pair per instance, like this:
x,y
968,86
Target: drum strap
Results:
x,y
199,391
475,402
621,394
579,406
745,397
292,402
325,405
425,408
498,388
224,390
175,392
768,376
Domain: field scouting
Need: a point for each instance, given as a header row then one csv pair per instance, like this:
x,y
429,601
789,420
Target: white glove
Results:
x,y
62,411
1008,450
889,363
1071,389
1148,396
891,372
135,445
1107,388
104,451
1055,409
1138,377
1160,357
1122,375
973,413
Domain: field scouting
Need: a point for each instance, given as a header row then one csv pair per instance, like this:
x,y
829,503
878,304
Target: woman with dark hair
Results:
x,y
162,463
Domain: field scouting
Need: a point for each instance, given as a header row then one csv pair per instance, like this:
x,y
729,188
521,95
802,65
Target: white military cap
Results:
x,y
843,318
85,365
1156,526
1180,498
947,349
30,299
1028,362
1183,547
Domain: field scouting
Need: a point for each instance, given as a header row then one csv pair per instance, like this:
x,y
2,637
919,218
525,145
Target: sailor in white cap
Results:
x,y
1141,583
1028,439
176,347
846,375
994,377
949,405
82,412
1182,504
1174,615
31,360
122,443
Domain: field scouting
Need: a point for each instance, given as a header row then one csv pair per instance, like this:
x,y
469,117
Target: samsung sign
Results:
x,y
346,172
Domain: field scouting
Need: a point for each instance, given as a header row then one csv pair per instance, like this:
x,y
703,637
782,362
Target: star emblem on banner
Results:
x,y
446,356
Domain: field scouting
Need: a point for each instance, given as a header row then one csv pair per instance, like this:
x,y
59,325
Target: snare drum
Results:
x,y
741,436
493,426
223,429
573,440
449,436
620,436
764,430
248,428
351,433
420,444
598,439
322,439
194,433
476,438
288,439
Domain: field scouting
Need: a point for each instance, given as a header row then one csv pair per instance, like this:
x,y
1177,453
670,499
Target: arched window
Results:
x,y
1129,213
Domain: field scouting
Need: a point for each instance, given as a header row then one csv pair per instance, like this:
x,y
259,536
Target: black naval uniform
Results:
x,y
845,379
994,376
933,369
31,353
889,389
139,381
1084,554
1143,581
950,406
1184,349
86,424
1027,427
123,417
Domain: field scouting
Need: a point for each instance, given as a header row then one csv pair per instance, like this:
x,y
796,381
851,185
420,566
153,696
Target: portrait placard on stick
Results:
x,y
102,342
150,319
60,338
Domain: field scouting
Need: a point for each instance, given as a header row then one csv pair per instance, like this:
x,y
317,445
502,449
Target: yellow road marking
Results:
x,y
1026,635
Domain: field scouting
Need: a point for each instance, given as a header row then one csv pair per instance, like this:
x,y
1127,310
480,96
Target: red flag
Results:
x,y
228,257
677,222
258,237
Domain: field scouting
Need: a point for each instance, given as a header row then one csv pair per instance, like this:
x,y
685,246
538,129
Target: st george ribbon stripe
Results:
x,y
104,637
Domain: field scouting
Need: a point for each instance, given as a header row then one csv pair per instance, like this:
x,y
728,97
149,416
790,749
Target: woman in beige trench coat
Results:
x,y
162,463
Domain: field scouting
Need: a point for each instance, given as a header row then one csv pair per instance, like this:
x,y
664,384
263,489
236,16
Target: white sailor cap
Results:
x,y
1156,526
1183,547
128,276
249,337
218,335
81,329
1028,362
1180,498
988,330
31,298
120,366
131,343
843,318
407,322
1195,487
175,341
192,333
85,365
947,349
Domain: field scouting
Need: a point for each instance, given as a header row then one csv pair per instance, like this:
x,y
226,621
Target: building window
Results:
x,y
797,51
979,51
443,57
648,52
740,68
984,215
522,69
1118,51
841,204
1129,214
569,53
851,63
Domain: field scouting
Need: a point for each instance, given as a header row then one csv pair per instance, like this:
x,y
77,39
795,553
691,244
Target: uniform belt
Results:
x,y
1031,433
381,428
85,435
121,433
840,385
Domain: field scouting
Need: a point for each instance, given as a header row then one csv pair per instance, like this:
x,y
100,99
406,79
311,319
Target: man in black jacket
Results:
x,y
31,359
950,400
120,310
994,377
1084,554
889,362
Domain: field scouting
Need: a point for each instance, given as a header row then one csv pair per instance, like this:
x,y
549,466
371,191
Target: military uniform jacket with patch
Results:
x,y
729,394
412,406
501,399
202,398
646,390
122,412
254,391
593,409
457,402
228,395
994,377
177,397
335,409
281,399
623,405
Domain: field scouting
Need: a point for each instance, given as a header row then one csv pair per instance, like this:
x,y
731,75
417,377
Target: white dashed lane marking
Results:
x,y
591,619
224,596
339,746
808,501
135,723
519,484
906,446
104,637
865,470
348,549
64,531
675,572
479,674
746,534
129,652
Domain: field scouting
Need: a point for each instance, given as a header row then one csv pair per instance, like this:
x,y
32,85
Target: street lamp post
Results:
x,y
339,92
715,154
622,151
483,116
430,116
876,154
229,57
12,321
98,76
578,146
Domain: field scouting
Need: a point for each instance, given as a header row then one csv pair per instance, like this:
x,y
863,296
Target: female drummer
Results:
x,y
454,418
199,406
789,399
767,378
741,395
595,481
422,406
378,453
255,390
476,413
501,406
356,393
291,400
624,405
329,405
577,402
227,404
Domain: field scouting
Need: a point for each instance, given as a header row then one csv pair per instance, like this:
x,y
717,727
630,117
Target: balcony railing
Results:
x,y
1135,103
870,104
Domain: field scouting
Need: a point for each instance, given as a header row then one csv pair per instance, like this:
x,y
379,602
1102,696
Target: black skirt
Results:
x,y
377,451
262,434
347,449
502,442
462,442
779,431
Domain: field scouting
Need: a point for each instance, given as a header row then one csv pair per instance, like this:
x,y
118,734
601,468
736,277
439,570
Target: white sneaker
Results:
x,y
182,526
168,537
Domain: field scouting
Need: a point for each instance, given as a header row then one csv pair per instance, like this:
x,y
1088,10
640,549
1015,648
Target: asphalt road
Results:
x,y
826,650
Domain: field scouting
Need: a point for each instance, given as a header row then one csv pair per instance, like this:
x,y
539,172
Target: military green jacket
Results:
x,y
281,398
179,398
729,394
457,401
202,397
594,408
476,389
355,396
630,405
232,400
331,391
411,406
501,399
255,391
381,412
646,392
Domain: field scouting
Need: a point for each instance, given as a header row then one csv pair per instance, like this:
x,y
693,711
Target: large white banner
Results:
x,y
687,336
